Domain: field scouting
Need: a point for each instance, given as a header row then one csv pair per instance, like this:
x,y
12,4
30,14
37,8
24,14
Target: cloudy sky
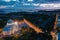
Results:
x,y
28,4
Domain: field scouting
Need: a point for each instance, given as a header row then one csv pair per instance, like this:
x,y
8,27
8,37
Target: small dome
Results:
x,y
10,21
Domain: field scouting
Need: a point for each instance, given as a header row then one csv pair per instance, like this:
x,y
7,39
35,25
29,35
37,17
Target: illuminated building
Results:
x,y
14,29
7,28
10,28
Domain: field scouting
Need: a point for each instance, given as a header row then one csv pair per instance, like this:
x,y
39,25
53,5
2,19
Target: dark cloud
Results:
x,y
18,5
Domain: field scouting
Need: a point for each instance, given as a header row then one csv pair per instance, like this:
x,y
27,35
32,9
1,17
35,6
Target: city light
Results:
x,y
16,23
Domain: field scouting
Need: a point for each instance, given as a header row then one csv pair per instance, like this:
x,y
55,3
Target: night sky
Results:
x,y
22,5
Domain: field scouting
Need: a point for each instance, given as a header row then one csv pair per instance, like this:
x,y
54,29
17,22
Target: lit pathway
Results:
x,y
38,30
